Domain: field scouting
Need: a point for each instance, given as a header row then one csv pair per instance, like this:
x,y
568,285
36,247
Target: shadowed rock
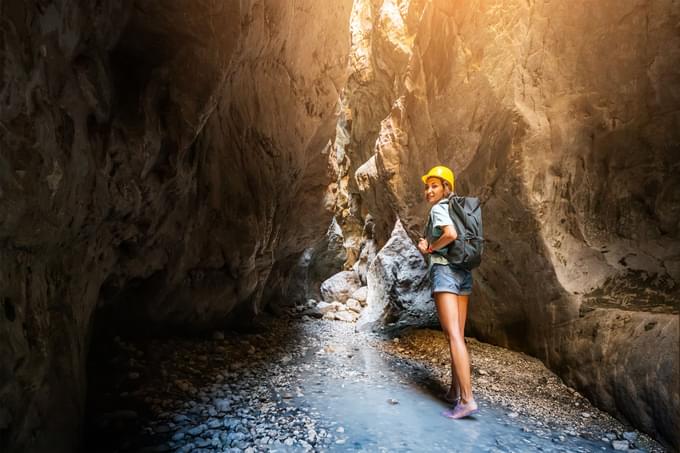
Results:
x,y
158,158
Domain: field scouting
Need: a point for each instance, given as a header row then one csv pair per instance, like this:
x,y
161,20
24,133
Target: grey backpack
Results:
x,y
466,213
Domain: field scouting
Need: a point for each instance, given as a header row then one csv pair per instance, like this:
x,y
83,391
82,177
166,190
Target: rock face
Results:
x,y
164,164
564,119
157,159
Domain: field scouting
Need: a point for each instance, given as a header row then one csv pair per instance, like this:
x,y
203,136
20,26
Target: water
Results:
x,y
313,385
357,398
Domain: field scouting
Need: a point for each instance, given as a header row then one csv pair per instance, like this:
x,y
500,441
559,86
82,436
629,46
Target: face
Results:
x,y
434,190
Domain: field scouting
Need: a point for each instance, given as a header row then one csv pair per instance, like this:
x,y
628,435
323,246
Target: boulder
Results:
x,y
398,289
340,286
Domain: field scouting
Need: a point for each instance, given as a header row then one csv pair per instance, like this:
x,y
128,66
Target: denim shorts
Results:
x,y
450,279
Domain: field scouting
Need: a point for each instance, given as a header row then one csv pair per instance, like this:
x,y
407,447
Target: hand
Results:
x,y
423,246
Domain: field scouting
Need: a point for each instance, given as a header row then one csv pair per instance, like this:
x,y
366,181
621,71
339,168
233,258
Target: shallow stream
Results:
x,y
295,386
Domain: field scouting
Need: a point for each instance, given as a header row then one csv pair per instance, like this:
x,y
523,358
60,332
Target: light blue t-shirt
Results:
x,y
439,217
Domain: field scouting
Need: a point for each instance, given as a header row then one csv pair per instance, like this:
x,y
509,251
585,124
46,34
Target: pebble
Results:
x,y
630,436
197,430
213,423
620,444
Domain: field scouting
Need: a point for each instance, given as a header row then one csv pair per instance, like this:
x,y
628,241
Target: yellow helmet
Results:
x,y
440,172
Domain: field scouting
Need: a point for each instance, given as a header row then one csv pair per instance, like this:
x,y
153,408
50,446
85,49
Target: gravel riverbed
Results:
x,y
317,385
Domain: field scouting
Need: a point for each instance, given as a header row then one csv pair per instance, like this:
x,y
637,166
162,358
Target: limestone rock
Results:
x,y
353,305
345,316
398,288
324,307
361,295
340,286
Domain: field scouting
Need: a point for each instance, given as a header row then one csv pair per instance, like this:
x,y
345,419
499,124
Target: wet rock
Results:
x,y
178,436
197,430
630,436
620,444
222,405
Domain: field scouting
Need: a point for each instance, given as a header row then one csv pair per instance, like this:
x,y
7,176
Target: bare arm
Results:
x,y
449,235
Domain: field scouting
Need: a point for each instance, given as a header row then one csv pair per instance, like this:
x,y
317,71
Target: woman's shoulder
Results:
x,y
440,207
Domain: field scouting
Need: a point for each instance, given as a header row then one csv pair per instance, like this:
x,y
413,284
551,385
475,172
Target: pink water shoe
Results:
x,y
462,410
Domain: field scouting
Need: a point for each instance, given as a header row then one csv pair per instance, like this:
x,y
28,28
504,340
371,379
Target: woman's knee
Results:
x,y
452,333
455,336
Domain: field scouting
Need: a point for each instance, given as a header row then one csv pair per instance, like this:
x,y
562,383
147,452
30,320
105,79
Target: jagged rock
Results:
x,y
398,288
340,286
366,256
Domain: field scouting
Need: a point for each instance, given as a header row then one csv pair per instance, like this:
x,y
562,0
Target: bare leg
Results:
x,y
454,391
450,307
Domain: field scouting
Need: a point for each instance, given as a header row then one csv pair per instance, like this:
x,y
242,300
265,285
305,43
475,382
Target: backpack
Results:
x,y
466,250
466,213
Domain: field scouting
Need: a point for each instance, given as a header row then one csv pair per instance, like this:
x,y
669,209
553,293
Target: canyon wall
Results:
x,y
563,117
164,164
156,160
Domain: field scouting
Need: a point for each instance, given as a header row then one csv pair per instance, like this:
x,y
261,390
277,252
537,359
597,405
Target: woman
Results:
x,y
451,287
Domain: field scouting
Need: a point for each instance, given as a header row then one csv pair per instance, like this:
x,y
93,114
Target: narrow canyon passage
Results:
x,y
318,385
199,165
